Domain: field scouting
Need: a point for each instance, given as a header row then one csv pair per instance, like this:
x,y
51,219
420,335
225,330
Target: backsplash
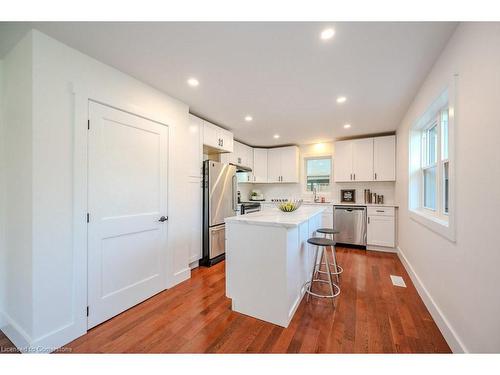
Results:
x,y
271,191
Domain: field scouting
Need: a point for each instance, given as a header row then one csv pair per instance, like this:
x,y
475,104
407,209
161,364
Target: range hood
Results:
x,y
241,168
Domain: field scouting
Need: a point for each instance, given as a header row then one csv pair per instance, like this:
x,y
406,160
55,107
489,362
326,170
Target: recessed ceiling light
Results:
x,y
193,82
327,34
248,118
341,99
276,136
347,126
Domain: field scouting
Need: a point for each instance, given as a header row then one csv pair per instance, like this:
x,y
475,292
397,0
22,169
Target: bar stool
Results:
x,y
321,243
337,270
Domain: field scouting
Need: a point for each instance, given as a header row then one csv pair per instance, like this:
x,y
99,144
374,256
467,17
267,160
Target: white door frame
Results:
x,y
82,96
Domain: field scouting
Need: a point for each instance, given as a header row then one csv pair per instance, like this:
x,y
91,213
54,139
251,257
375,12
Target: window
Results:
x,y
430,179
318,173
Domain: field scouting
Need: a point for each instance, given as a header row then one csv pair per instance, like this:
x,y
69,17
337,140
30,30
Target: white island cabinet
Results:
x,y
268,261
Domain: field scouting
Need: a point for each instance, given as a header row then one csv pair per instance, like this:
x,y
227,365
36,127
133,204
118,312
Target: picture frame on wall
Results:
x,y
348,196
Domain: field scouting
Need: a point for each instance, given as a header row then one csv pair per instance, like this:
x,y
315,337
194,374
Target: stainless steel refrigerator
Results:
x,y
219,202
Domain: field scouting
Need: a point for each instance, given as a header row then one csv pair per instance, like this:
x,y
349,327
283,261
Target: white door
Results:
x,y
384,158
274,165
260,165
290,164
342,170
127,195
362,159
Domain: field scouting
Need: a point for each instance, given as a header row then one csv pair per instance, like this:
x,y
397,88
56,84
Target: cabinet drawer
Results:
x,y
380,211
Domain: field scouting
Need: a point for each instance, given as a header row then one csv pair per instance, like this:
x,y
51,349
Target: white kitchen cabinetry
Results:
x,y
362,159
193,211
327,218
342,170
283,164
274,165
366,159
259,165
216,138
381,227
384,158
241,155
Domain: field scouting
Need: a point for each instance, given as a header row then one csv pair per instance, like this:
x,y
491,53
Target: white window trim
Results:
x,y
440,223
303,174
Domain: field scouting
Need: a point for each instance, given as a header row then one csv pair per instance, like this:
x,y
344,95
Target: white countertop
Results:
x,y
309,203
275,217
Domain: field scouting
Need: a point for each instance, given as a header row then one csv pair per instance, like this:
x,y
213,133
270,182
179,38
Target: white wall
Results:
x,y
459,280
56,316
297,191
17,179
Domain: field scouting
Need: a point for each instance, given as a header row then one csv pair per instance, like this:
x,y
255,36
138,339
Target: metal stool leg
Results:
x,y
327,263
309,287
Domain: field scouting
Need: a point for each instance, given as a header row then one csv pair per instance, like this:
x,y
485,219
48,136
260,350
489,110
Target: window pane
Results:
x,y
432,145
430,188
446,186
318,173
444,134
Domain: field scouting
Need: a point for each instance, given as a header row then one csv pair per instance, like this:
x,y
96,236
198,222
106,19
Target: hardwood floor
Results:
x,y
370,316
6,346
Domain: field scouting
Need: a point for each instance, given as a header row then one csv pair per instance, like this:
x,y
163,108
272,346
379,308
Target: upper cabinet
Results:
x,y
260,165
362,159
384,158
216,138
241,155
283,164
366,159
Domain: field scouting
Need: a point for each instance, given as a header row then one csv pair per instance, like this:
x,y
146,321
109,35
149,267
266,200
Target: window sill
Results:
x,y
442,227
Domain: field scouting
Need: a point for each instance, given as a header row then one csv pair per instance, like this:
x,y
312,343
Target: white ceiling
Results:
x,y
280,73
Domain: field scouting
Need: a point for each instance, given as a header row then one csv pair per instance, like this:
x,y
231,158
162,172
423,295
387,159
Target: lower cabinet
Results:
x,y
381,227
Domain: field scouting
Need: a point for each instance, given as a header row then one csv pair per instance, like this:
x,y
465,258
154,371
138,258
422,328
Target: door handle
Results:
x,y
163,218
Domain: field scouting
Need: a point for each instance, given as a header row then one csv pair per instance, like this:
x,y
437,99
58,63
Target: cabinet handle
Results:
x,y
368,219
375,176
351,176
354,174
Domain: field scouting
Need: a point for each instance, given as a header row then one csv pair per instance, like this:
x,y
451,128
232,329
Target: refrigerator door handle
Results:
x,y
235,194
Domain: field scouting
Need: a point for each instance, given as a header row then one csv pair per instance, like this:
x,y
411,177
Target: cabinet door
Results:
x,y
380,231
226,137
289,164
362,159
342,161
260,165
384,158
210,134
274,165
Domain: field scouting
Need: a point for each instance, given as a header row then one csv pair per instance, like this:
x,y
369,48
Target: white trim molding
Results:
x,y
451,337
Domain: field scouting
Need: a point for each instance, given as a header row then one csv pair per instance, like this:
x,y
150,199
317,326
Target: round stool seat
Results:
x,y
327,230
321,241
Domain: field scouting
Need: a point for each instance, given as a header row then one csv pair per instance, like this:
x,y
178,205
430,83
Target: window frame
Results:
x,y
317,157
439,221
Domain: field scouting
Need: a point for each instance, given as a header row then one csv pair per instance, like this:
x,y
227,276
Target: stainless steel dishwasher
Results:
x,y
350,221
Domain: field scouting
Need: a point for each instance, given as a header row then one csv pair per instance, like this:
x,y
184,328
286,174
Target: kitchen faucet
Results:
x,y
315,193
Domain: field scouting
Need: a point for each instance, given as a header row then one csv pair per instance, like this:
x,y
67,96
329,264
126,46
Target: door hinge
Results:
x,y
88,124
88,217
88,309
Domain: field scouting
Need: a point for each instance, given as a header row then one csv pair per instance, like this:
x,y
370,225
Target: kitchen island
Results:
x,y
268,261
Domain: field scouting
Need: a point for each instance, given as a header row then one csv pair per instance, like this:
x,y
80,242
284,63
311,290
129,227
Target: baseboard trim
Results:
x,y
451,337
17,335
382,249
53,341
182,275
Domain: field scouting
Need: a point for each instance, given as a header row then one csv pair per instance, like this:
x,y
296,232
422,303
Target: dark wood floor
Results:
x,y
370,316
